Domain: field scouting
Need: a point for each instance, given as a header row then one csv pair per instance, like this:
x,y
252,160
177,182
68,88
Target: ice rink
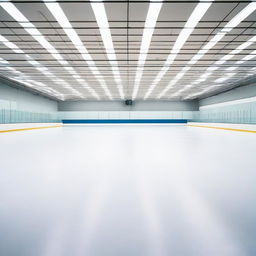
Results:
x,y
128,190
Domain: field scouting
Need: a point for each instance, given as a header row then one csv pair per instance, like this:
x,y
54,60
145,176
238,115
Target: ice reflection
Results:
x,y
203,226
56,240
151,216
92,216
127,190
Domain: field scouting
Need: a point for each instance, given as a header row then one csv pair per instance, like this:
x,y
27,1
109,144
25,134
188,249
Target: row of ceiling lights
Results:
x,y
151,19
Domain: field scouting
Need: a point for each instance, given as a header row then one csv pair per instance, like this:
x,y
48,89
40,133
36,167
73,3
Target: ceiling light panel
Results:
x,y
75,49
102,21
150,23
30,60
244,13
60,16
193,20
23,80
35,33
211,70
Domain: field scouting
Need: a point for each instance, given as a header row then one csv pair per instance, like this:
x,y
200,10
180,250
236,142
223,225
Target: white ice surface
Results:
x,y
127,191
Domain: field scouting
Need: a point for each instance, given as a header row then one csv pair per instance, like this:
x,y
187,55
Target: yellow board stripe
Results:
x,y
212,127
32,128
222,128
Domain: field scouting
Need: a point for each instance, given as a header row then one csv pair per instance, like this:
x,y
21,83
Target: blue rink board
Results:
x,y
124,121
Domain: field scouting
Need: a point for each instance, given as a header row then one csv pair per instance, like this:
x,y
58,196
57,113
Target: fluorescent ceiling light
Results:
x,y
250,56
42,69
250,8
231,68
232,54
60,16
2,61
35,33
26,24
18,16
69,68
3,39
212,42
14,12
212,68
244,59
199,93
35,84
150,23
206,74
223,79
102,21
219,62
30,60
193,20
33,62
92,91
10,45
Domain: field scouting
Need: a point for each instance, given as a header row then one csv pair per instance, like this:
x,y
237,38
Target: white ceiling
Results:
x,y
126,22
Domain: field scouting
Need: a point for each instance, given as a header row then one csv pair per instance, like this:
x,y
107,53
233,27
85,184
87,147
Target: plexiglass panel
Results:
x,y
244,113
14,116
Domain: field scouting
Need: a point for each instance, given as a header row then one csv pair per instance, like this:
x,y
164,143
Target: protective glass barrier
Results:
x,y
240,113
14,116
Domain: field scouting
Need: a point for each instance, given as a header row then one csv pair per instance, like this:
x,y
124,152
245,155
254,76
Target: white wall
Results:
x,y
127,115
120,106
118,110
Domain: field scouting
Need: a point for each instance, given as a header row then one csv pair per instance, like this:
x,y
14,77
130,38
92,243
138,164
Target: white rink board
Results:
x,y
251,127
5,127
